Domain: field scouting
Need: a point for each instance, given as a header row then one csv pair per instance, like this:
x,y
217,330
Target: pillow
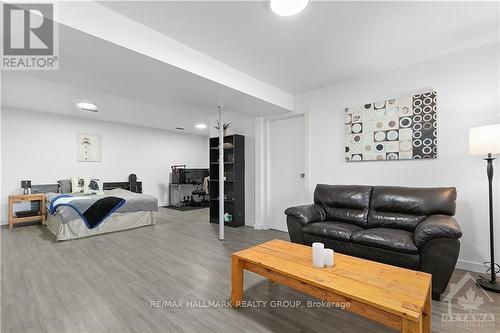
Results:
x,y
94,186
64,186
79,184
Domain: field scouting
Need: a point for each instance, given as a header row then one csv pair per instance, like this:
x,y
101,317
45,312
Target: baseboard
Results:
x,y
471,266
258,226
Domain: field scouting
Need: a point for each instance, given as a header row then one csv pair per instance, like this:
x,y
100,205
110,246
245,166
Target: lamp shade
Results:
x,y
484,140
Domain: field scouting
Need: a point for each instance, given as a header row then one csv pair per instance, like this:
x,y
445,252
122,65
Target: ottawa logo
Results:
x,y
468,313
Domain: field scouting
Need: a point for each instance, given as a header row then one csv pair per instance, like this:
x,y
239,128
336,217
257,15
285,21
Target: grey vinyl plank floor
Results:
x,y
107,283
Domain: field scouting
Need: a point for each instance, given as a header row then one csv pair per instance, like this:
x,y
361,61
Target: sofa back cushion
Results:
x,y
344,203
405,207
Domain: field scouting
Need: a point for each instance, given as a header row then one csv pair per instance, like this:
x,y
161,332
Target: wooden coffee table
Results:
x,y
396,297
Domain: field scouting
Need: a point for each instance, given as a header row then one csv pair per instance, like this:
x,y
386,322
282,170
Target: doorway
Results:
x,y
287,168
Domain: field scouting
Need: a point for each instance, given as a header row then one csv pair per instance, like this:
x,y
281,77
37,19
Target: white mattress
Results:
x,y
115,222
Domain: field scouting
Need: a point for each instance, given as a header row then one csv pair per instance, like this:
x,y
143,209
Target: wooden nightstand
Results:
x,y
42,213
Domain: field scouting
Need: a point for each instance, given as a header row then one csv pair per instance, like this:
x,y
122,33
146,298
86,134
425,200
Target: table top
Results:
x,y
396,290
33,196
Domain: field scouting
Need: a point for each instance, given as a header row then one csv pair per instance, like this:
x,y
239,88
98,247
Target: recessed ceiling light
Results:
x,y
288,7
200,126
87,106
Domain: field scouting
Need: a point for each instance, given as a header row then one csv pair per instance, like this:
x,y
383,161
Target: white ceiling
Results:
x,y
328,42
127,86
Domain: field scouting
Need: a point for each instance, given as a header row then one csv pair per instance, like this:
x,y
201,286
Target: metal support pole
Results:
x,y
221,176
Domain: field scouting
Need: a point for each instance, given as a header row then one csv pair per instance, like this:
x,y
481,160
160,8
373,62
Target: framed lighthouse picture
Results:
x,y
89,147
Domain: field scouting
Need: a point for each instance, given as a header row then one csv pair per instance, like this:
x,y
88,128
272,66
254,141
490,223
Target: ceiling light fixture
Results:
x,y
200,126
288,7
87,106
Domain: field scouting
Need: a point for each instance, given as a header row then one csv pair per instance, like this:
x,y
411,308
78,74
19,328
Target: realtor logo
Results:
x,y
29,36
470,300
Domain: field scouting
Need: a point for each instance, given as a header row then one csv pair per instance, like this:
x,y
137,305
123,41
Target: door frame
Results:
x,y
263,165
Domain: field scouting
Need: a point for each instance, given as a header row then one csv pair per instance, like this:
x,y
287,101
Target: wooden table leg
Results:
x,y
410,326
236,281
43,211
426,316
10,212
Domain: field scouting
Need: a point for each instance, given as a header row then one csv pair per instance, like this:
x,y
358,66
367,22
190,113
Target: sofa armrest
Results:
x,y
436,226
307,213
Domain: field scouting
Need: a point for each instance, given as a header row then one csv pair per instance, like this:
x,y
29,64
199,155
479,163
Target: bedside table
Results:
x,y
42,213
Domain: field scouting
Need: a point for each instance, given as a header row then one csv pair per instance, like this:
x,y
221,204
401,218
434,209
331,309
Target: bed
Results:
x,y
135,210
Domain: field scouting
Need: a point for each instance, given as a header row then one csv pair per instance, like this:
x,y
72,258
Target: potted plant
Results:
x,y
225,126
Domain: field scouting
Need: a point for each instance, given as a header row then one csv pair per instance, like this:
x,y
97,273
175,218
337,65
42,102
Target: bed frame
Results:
x,y
123,185
132,185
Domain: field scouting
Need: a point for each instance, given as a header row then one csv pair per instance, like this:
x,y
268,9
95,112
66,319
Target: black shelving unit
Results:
x,y
234,184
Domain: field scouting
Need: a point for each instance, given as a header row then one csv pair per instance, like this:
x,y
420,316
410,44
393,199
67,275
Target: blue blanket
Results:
x,y
93,210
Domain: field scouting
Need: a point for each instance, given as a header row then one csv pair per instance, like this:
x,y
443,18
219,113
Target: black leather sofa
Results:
x,y
403,226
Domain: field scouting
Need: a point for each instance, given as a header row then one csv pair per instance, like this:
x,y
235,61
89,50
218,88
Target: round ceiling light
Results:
x,y
200,126
288,7
87,106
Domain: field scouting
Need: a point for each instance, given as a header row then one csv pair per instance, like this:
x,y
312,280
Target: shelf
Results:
x,y
225,200
217,148
27,219
228,224
233,179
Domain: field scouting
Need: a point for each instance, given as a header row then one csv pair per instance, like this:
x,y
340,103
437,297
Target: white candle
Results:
x,y
318,254
329,261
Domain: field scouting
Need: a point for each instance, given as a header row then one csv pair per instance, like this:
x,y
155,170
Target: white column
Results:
x,y
221,176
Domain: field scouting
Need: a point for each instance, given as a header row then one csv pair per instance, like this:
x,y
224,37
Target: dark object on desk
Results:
x,y
26,186
183,175
195,176
178,174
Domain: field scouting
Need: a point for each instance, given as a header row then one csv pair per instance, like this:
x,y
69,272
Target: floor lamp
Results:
x,y
485,140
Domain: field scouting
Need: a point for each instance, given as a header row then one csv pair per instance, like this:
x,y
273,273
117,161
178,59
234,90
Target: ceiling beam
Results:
x,y
99,21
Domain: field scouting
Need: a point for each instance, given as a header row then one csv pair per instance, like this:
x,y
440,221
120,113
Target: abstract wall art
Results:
x,y
89,147
394,129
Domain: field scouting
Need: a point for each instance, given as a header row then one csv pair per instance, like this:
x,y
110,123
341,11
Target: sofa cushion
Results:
x,y
335,245
403,221
406,260
333,230
405,207
344,203
386,238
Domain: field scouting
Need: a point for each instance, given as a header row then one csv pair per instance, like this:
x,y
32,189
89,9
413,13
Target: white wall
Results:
x,y
242,125
467,85
42,147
